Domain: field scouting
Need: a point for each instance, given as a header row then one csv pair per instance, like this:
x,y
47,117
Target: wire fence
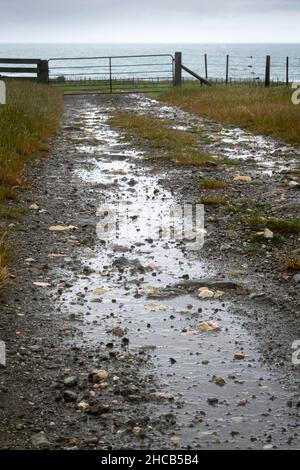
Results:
x,y
151,70
237,68
112,74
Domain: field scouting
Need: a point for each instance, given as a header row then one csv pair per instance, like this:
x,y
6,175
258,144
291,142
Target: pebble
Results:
x,y
69,396
138,432
40,441
268,234
239,356
212,401
205,293
98,375
219,381
83,405
70,381
99,409
296,279
118,331
268,447
242,402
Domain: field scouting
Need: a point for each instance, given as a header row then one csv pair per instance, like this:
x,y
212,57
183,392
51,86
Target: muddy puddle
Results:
x,y
218,401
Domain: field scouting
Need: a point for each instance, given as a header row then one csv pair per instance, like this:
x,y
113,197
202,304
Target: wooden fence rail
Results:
x,y
21,66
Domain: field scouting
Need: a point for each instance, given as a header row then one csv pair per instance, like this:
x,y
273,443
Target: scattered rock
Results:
x,y
92,442
56,255
246,179
40,441
120,248
83,405
118,331
87,270
205,293
123,263
98,375
212,401
70,381
62,228
138,432
239,356
203,327
258,295
155,307
268,234
166,293
42,284
219,381
132,182
175,440
99,409
100,291
296,278
242,402
69,396
149,267
268,447
163,395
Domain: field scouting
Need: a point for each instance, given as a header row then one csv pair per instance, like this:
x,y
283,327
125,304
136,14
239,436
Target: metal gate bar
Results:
x,y
114,74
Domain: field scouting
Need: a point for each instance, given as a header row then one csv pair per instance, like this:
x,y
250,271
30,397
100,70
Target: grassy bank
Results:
x,y
255,108
29,118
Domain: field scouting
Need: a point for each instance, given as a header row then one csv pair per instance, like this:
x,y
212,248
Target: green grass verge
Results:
x,y
30,117
159,135
260,110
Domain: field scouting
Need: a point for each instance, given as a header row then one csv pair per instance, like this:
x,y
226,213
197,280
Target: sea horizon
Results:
x,y
246,60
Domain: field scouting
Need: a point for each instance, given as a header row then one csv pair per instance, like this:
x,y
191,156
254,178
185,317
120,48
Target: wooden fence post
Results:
x,y
205,64
268,71
287,71
43,71
227,68
178,69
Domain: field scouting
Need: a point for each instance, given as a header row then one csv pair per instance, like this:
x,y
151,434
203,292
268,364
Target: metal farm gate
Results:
x,y
116,74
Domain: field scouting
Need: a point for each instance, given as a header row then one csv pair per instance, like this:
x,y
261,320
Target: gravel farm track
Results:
x,y
107,340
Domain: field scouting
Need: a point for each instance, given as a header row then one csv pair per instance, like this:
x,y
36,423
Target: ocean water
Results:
x,y
246,61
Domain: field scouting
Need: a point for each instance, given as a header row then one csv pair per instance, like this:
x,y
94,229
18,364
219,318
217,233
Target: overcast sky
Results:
x,y
136,21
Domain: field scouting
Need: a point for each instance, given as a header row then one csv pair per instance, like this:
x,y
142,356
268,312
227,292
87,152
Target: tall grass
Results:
x,y
159,135
260,110
30,117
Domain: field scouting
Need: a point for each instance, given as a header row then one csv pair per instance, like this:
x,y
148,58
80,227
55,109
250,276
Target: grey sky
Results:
x,y
151,21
